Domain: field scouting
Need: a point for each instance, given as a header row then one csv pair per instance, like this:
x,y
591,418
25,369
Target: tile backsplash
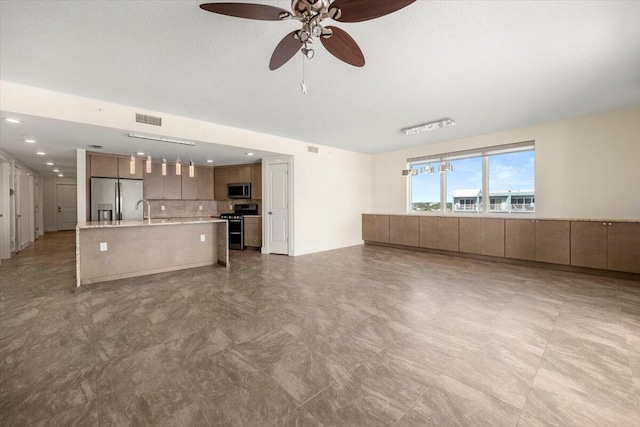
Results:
x,y
182,208
227,206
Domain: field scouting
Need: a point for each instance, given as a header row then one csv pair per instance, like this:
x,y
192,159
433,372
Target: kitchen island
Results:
x,y
110,250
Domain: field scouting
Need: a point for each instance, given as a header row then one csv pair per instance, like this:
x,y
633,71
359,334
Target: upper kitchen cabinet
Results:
x,y
240,174
189,185
124,168
622,246
256,181
220,182
153,183
204,182
173,184
104,166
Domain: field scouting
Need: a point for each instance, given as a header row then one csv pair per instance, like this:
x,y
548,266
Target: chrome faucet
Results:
x,y
148,208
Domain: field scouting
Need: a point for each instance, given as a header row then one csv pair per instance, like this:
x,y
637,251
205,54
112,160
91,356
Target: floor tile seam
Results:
x,y
410,407
28,332
190,392
301,405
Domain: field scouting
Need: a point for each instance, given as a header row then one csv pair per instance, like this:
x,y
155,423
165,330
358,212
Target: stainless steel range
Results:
x,y
236,224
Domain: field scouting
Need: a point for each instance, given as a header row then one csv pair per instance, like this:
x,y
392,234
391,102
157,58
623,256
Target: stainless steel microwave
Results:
x,y
239,190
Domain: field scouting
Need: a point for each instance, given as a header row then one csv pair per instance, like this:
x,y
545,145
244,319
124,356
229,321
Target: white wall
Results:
x,y
331,188
586,167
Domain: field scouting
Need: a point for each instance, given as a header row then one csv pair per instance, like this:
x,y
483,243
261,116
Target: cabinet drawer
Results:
x,y
253,241
253,229
252,221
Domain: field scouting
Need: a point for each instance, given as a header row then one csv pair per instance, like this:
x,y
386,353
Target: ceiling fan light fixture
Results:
x,y
308,52
428,127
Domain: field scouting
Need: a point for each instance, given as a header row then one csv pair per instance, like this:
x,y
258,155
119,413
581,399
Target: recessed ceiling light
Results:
x,y
10,120
140,153
49,163
249,154
30,141
41,153
60,175
56,170
209,161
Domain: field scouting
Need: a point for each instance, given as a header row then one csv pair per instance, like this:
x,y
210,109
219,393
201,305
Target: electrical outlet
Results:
x,y
103,246
202,238
200,207
161,207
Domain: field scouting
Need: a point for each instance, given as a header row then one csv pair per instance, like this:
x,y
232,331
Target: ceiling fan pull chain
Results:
x,y
303,85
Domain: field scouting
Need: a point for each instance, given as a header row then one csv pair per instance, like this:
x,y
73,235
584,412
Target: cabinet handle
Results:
x,y
604,223
610,224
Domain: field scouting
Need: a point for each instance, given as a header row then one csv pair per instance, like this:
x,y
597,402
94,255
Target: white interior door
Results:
x,y
5,211
277,212
67,198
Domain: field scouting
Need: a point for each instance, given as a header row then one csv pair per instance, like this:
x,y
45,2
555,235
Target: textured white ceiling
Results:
x,y
487,65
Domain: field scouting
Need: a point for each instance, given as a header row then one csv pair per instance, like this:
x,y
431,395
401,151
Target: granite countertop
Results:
x,y
146,223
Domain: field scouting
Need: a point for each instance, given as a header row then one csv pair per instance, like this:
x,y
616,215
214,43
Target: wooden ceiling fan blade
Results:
x,y
261,12
364,10
344,47
285,50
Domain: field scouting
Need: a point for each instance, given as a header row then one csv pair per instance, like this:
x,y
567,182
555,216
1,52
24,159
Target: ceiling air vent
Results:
x,y
148,120
96,147
312,149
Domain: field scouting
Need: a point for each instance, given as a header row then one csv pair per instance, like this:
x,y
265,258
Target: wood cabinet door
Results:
x,y
520,239
172,184
470,235
153,183
368,227
256,181
429,232
492,236
204,182
623,243
412,231
382,228
124,171
104,166
220,181
553,241
189,185
589,244
396,229
239,174
448,234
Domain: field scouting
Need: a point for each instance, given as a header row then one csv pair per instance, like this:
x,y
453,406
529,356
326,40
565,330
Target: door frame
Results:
x,y
266,190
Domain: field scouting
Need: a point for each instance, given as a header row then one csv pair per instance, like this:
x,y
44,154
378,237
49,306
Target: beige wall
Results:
x,y
331,188
586,167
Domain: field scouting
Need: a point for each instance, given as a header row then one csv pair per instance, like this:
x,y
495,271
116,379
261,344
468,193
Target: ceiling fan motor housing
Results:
x,y
301,8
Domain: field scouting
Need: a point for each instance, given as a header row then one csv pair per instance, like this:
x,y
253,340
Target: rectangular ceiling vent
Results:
x,y
148,120
312,149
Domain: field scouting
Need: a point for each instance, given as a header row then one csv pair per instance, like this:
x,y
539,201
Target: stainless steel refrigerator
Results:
x,y
115,199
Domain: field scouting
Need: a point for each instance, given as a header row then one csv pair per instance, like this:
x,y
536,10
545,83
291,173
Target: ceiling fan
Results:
x,y
311,13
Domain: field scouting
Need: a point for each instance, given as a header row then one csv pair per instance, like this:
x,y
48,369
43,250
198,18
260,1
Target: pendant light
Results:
x,y
149,163
178,167
164,166
192,169
132,165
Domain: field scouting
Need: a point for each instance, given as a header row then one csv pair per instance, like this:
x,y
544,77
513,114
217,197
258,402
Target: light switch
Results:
x,y
161,207
202,237
103,246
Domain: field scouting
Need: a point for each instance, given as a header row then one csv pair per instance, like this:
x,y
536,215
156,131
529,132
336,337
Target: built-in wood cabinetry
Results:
x,y
189,185
163,187
253,231
375,228
538,240
224,175
484,236
606,245
204,183
112,166
592,244
439,233
404,230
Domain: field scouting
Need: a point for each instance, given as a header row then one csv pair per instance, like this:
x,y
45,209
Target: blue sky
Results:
x,y
512,171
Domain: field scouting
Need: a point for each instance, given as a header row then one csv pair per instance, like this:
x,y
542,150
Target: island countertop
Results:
x,y
146,223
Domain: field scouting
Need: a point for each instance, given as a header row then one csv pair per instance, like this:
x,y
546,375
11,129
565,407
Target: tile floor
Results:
x,y
362,336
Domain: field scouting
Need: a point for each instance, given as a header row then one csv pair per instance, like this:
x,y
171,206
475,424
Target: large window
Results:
x,y
459,181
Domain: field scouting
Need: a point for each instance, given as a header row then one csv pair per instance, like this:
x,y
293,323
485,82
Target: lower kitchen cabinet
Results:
x,y
429,232
381,227
553,241
253,231
520,239
623,246
484,236
589,244
368,227
438,232
404,230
